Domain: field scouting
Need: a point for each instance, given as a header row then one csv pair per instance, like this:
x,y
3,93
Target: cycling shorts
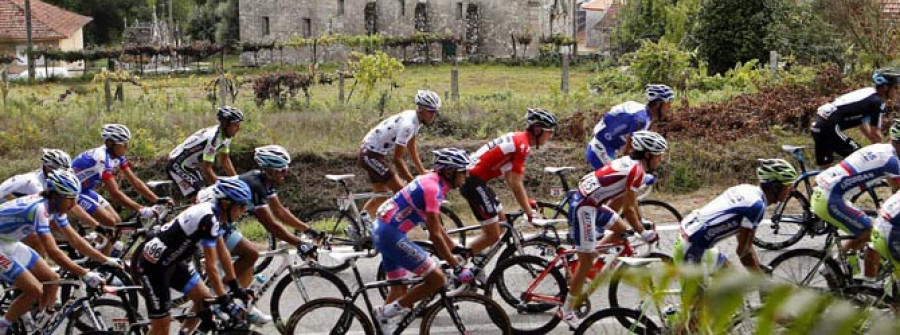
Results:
x,y
589,222
598,155
834,209
686,252
886,241
829,140
482,200
157,281
91,201
232,237
189,181
16,258
375,165
399,255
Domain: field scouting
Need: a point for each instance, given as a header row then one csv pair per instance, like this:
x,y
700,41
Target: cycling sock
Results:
x,y
392,309
4,326
570,299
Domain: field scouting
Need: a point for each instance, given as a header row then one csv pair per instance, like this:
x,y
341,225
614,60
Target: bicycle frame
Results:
x,y
291,267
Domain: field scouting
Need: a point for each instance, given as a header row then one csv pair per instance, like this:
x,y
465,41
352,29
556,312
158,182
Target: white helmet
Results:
x,y
272,157
115,132
428,100
648,141
451,158
63,182
56,159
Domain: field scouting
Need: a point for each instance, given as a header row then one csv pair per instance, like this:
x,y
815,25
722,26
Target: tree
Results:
x,y
202,25
799,32
733,31
864,23
228,26
109,17
639,20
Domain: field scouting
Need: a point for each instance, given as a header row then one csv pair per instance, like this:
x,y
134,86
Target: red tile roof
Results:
x,y
891,7
48,22
596,5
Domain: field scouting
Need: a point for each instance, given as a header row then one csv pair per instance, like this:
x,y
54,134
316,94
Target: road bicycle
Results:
x,y
212,321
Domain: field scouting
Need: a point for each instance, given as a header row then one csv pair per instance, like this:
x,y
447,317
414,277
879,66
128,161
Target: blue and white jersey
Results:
x,y
621,120
865,166
96,165
742,206
23,216
854,108
22,185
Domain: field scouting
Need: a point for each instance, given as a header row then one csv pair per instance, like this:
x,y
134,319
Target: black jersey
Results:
x,y
178,239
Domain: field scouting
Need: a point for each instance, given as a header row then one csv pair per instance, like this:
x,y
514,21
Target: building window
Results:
x,y
459,10
340,7
402,4
265,26
307,27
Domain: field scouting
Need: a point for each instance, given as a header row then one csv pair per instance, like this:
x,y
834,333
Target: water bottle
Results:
x,y
366,220
670,315
258,281
117,250
853,262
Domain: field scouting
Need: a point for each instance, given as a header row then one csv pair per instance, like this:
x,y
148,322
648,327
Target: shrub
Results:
x,y
659,62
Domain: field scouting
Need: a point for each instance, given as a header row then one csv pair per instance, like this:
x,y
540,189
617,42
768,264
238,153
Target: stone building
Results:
x,y
487,23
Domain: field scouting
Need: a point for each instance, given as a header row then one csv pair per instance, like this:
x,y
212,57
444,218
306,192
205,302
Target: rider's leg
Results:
x,y
392,185
490,234
42,271
197,294
487,210
247,255
434,280
27,283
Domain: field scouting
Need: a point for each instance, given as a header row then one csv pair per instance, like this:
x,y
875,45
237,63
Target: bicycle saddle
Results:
x,y
339,177
342,257
553,169
155,183
638,261
792,148
543,223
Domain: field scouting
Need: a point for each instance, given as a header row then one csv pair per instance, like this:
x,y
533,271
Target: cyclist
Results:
x,y
162,265
397,132
100,165
838,183
419,203
737,211
863,108
34,182
612,133
191,162
266,206
504,156
592,215
27,219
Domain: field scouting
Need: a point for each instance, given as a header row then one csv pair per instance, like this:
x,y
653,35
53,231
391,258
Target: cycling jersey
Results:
x,y
395,130
852,109
742,206
866,166
203,145
611,181
886,235
506,153
397,216
23,216
256,180
96,165
178,239
22,185
609,135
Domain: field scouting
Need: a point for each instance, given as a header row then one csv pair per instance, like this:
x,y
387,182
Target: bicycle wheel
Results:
x,y
113,276
109,313
301,286
607,322
808,268
329,316
475,313
512,278
665,218
552,211
621,291
538,245
786,225
332,221
870,199
450,219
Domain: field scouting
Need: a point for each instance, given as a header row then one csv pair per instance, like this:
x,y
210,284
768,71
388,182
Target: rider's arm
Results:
x,y
630,210
139,185
436,235
745,249
515,181
400,163
284,215
82,246
225,158
209,174
58,256
414,155
212,255
872,132
265,217
86,220
113,187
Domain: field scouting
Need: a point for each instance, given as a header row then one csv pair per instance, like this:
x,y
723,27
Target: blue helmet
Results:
x,y
885,77
234,190
272,157
64,182
655,92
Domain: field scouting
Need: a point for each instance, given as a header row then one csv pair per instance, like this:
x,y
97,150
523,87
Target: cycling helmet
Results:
x,y
115,132
64,182
272,157
776,170
56,159
895,131
233,189
428,100
648,141
540,118
885,77
229,114
655,92
451,158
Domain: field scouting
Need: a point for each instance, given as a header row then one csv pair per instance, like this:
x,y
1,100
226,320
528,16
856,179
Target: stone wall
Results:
x,y
496,20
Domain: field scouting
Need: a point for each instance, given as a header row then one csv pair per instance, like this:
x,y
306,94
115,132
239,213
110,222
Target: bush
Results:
x,y
659,62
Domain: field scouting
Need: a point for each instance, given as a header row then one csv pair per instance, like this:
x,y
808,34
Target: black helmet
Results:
x,y
541,118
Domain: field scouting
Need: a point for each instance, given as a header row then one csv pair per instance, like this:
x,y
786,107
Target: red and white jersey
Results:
x,y
504,154
612,180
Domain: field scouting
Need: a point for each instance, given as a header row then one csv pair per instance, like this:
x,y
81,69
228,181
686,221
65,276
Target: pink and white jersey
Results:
x,y
408,207
612,180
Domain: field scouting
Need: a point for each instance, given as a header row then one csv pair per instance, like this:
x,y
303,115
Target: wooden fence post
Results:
x,y
454,82
341,84
564,85
108,95
773,62
223,89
